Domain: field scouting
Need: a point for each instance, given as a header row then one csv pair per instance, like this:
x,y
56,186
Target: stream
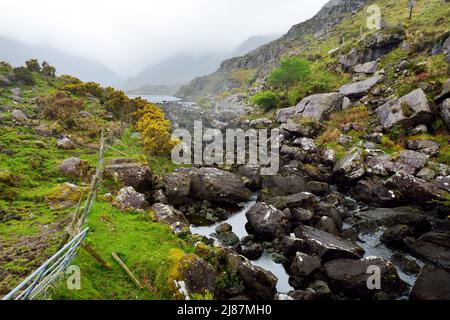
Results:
x,y
370,242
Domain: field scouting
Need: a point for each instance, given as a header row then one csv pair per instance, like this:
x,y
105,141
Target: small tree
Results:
x,y
48,70
155,130
265,99
290,71
24,75
33,65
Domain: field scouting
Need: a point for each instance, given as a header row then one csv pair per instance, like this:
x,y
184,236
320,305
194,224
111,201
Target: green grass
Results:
x,y
143,245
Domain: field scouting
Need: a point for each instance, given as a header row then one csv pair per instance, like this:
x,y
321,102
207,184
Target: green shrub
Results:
x,y
267,100
290,71
24,75
33,65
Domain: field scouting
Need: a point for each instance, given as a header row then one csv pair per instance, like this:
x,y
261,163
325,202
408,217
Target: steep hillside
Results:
x,y
324,39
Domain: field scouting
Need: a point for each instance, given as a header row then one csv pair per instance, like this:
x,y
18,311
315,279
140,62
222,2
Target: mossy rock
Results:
x,y
64,196
6,177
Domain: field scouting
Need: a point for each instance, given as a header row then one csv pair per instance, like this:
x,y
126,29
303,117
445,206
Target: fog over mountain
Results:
x,y
16,53
185,67
128,37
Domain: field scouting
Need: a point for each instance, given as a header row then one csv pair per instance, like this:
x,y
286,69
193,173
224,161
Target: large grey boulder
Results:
x,y
317,107
131,173
351,167
351,277
267,222
328,246
373,191
428,147
360,88
283,115
170,216
409,111
367,68
177,186
217,186
432,284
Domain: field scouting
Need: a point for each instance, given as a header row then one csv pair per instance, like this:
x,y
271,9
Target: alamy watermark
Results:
x,y
237,147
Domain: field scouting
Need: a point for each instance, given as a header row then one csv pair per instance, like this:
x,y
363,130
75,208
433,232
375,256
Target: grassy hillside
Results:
x,y
30,230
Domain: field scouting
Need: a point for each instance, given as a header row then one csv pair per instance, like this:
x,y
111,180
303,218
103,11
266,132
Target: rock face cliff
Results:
x,y
264,58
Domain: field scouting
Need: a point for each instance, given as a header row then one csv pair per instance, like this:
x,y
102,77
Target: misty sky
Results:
x,y
129,35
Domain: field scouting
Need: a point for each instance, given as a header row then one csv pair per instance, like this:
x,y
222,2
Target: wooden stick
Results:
x,y
124,267
96,256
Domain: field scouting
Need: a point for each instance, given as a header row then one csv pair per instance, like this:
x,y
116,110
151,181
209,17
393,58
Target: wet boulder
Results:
x,y
406,263
253,251
371,220
409,111
373,191
328,246
170,216
289,246
351,166
432,284
267,222
351,277
258,283
317,107
282,185
226,236
304,265
430,251
217,186
129,199
395,235
416,190
360,88
75,168
131,173
302,199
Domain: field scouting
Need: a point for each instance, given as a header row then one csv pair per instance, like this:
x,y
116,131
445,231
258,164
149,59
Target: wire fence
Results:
x,y
37,284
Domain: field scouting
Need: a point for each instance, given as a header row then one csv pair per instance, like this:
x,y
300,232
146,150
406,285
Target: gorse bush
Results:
x,y
155,130
265,99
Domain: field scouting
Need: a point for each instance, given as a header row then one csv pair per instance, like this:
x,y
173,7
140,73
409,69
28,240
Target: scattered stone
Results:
x,y
65,143
427,147
360,88
253,252
351,167
19,116
75,168
367,68
170,216
426,174
128,199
